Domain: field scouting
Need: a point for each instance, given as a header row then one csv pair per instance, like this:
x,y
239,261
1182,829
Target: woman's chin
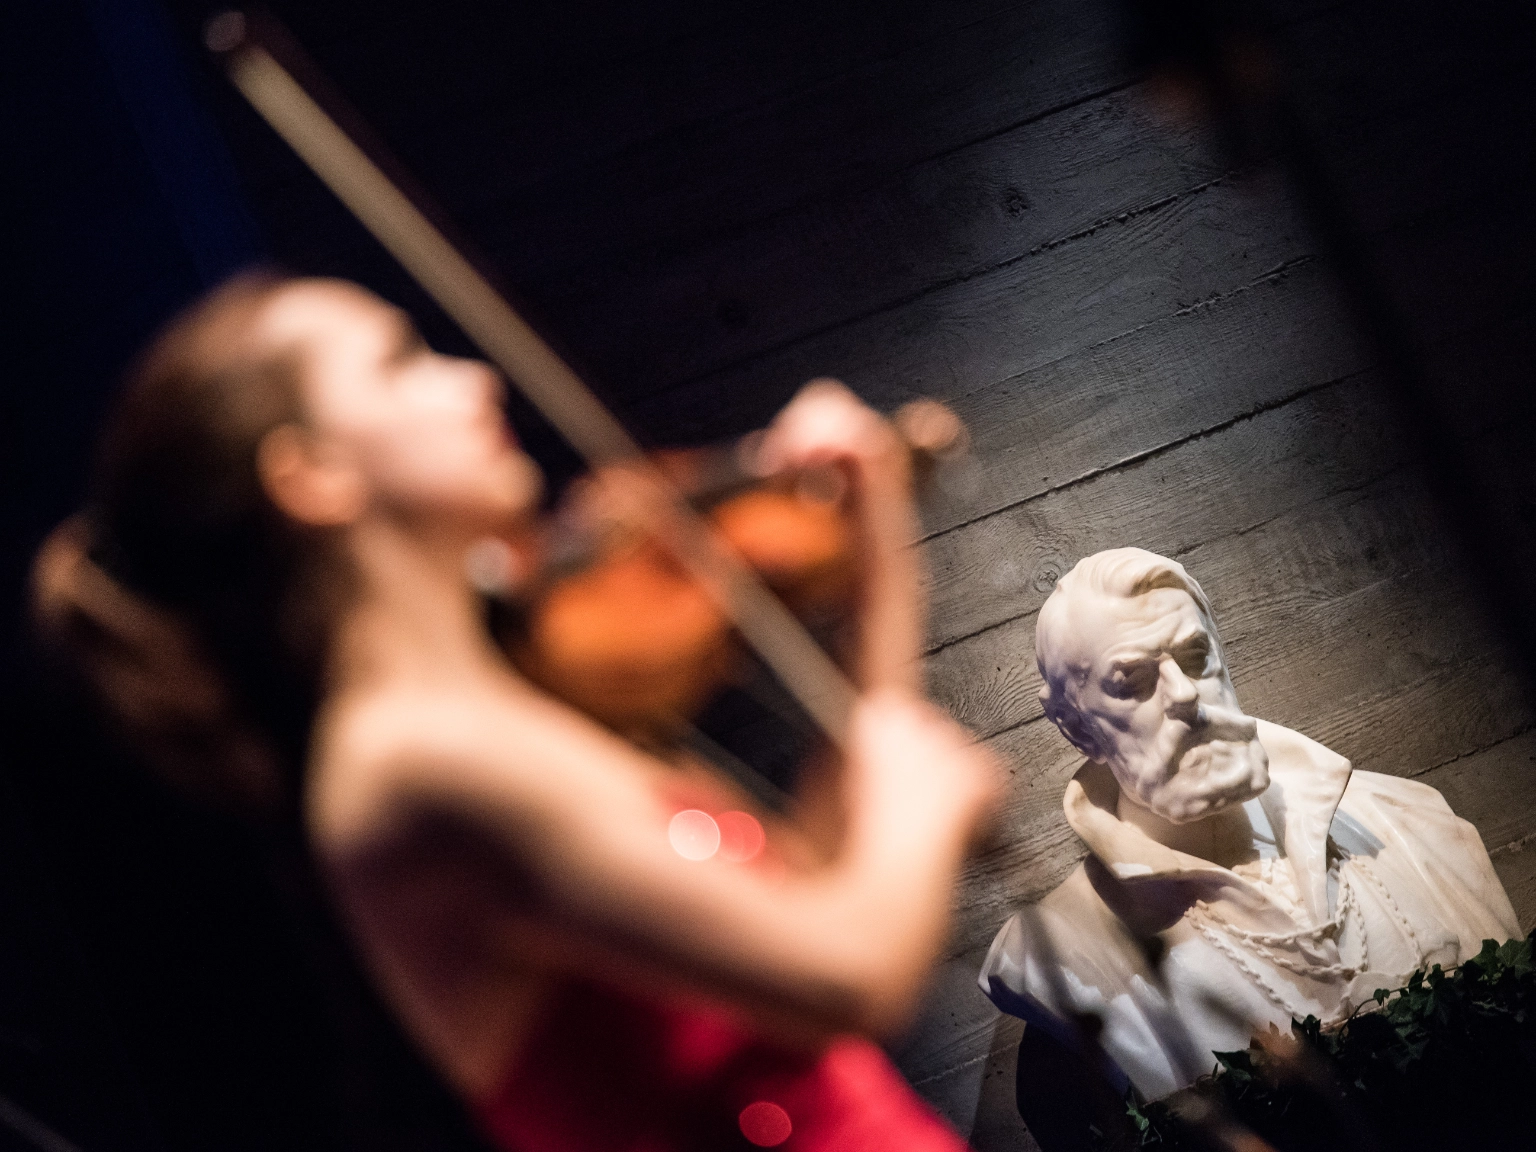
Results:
x,y
519,487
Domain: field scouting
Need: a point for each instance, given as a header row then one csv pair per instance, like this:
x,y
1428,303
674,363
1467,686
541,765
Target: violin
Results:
x,y
602,615
632,630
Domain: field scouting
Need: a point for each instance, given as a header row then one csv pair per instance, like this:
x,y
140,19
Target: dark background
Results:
x,y
1248,284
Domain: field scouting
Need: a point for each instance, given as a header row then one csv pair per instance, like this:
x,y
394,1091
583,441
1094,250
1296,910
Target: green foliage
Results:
x,y
1447,1061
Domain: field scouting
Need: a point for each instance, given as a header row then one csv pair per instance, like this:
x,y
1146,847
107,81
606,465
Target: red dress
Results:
x,y
605,1073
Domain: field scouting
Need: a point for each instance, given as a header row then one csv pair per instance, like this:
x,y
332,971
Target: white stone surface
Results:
x,y
1271,879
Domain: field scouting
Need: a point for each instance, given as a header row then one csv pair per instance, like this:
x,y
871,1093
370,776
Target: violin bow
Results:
x,y
532,366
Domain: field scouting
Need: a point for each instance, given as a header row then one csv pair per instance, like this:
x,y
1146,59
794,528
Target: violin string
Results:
x,y
548,382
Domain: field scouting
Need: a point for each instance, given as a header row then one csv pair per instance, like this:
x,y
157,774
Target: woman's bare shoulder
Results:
x,y
372,748
379,754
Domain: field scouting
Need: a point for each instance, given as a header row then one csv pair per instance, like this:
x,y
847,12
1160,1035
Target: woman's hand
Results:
x,y
908,762
826,424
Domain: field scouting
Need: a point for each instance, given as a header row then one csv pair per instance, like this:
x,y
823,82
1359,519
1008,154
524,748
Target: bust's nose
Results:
x,y
1181,699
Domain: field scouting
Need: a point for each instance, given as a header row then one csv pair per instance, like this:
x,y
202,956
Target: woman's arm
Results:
x,y
578,816
594,884
828,424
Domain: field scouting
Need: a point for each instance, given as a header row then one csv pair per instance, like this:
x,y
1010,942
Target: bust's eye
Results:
x,y
1132,680
1195,661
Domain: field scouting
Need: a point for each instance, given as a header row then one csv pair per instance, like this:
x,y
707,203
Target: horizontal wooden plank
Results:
x,y
1033,848
1516,867
960,1057
955,1022
696,306
998,1126
1251,470
1266,581
884,115
975,343
996,567
699,307
1493,787
695,94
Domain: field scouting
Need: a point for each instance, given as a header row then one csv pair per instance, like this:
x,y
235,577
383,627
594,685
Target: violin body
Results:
x,y
613,624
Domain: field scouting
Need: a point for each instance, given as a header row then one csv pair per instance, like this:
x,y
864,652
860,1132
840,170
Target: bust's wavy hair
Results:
x,y
186,600
1116,572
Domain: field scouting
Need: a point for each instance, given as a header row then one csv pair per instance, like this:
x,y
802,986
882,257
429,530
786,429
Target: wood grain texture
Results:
x,y
1495,788
681,309
686,310
974,342
961,1054
1289,457
981,200
881,115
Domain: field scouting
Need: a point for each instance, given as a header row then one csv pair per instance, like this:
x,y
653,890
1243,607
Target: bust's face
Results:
x,y
1159,708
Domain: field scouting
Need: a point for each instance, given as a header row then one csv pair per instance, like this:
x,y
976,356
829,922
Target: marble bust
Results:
x,y
1267,878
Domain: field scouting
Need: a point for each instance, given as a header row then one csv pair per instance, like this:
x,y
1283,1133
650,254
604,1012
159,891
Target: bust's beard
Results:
x,y
1198,777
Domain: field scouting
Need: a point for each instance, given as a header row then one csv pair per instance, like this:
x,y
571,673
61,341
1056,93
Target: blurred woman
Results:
x,y
269,589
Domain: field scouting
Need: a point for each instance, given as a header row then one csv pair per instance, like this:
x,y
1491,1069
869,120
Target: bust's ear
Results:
x,y
309,484
1070,723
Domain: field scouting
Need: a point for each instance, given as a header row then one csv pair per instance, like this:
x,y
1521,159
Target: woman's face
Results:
x,y
425,431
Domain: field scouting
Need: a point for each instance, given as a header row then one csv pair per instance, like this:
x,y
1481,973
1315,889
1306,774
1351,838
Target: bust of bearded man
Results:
x,y
1266,878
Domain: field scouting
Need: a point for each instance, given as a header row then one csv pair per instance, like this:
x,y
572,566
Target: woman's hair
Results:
x,y
188,600
196,612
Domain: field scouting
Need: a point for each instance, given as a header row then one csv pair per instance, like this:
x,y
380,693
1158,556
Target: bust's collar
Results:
x,y
1306,783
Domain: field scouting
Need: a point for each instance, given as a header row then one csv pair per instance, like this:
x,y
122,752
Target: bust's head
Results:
x,y
1135,678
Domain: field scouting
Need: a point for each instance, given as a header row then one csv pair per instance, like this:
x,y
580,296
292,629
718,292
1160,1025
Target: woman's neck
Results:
x,y
414,616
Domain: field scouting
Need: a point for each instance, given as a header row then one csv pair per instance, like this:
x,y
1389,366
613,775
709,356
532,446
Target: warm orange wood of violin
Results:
x,y
632,640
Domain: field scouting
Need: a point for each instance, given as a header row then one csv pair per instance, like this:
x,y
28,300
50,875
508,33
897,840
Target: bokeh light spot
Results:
x,y
694,835
741,837
765,1124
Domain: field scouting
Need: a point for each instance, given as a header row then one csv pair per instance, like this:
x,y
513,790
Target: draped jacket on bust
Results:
x,y
1361,879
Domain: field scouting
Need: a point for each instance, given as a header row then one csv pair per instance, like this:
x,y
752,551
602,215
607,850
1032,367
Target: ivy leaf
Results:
x,y
1474,1025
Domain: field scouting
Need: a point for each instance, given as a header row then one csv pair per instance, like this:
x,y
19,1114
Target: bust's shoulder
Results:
x,y
1408,813
1074,897
1429,858
1390,796
1295,747
1396,790
1085,933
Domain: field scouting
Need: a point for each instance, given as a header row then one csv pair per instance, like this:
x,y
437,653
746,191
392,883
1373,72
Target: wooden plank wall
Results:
x,y
981,200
